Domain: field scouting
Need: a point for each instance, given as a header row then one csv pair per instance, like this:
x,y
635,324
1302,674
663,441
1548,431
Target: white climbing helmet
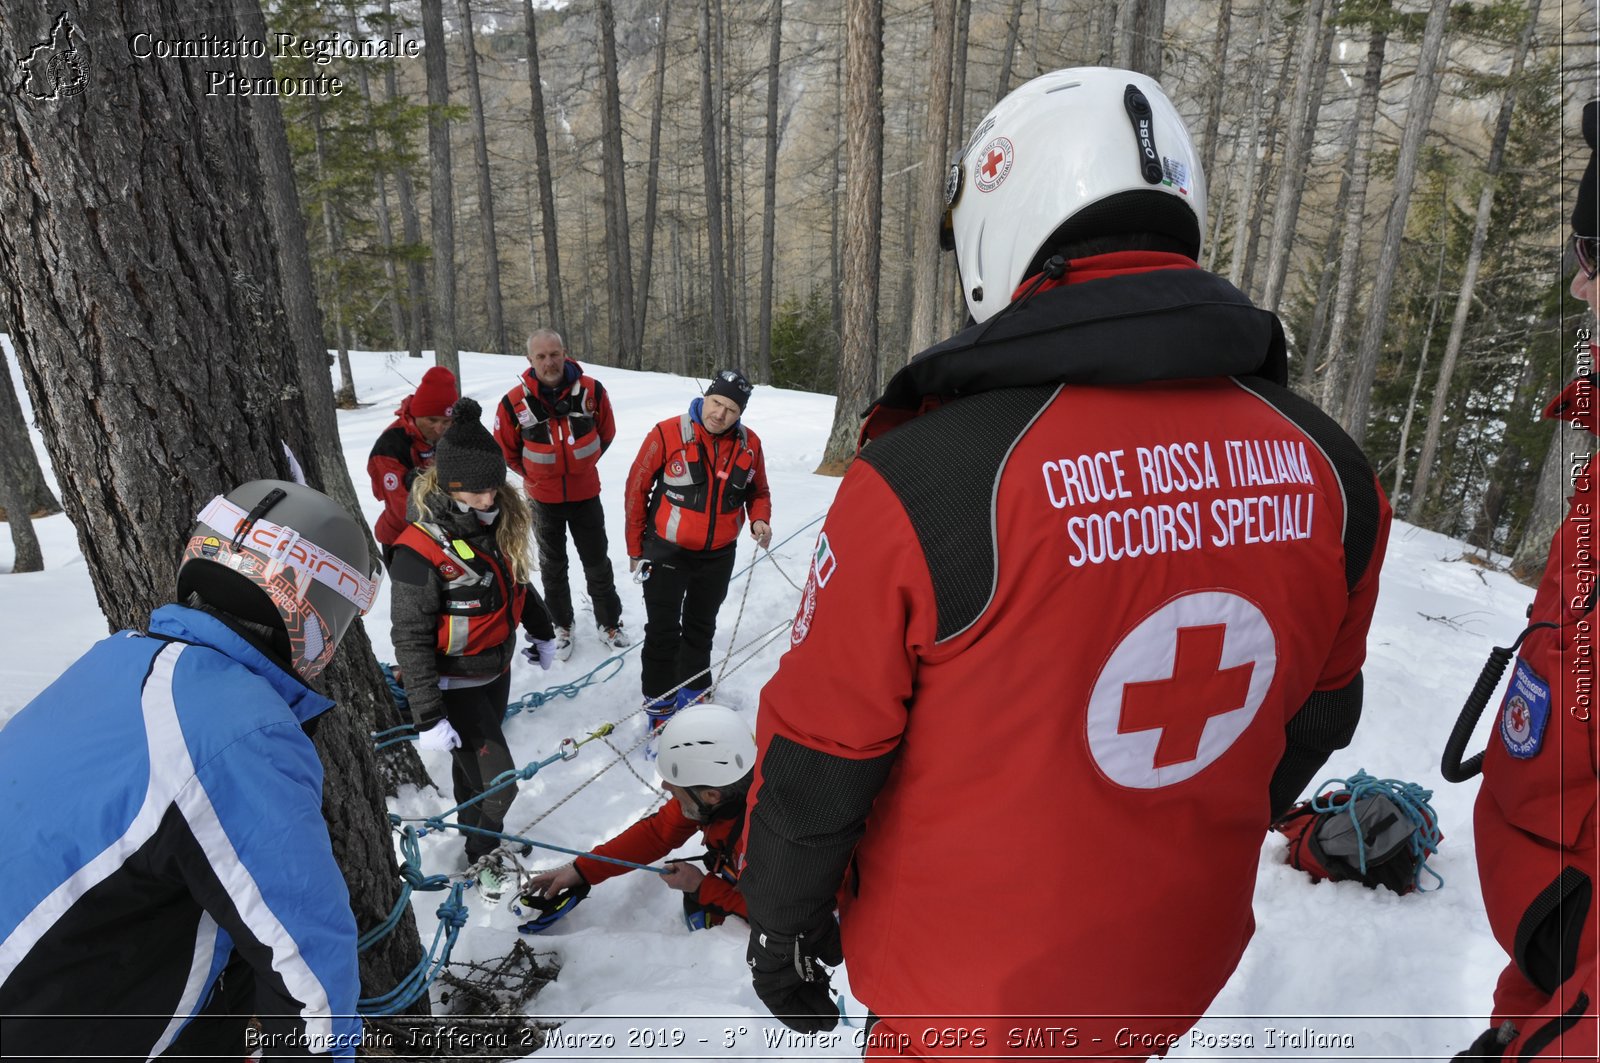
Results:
x,y
1076,153
705,745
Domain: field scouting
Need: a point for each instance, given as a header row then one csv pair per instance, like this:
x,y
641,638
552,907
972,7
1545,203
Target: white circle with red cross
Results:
x,y
993,164
1180,689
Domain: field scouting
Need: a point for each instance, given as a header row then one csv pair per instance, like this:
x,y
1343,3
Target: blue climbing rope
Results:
x,y
414,879
1410,798
452,917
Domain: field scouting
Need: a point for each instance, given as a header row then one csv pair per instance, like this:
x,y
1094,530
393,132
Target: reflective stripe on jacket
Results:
x,y
477,616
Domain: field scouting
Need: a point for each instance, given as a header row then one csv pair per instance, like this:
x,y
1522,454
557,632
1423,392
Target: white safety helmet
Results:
x,y
1073,154
705,745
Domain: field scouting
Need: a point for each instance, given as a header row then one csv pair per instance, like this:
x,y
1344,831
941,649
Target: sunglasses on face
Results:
x,y
1587,250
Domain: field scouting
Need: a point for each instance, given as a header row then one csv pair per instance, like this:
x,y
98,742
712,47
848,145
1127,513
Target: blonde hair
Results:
x,y
512,531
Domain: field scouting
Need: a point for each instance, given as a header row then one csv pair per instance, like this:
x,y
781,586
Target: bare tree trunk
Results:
x,y
1302,128
380,186
1417,511
442,215
835,197
1214,86
1434,299
1549,501
480,155
955,310
652,189
719,347
37,498
1358,162
110,331
769,197
1419,114
1107,51
345,397
928,199
858,356
1013,25
411,227
547,197
619,252
1142,36
16,456
734,282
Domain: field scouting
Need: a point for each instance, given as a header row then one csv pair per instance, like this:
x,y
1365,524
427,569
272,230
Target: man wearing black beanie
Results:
x,y
1535,824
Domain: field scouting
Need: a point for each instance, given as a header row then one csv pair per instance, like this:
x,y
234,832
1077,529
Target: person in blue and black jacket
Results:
x,y
162,808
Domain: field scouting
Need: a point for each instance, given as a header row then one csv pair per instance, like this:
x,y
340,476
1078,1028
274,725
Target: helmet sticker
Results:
x,y
1176,174
994,164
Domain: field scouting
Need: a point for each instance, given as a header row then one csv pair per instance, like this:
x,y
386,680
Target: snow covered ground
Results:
x,y
1406,978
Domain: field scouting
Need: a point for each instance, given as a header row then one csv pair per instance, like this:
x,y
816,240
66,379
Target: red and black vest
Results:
x,y
705,482
478,613
561,449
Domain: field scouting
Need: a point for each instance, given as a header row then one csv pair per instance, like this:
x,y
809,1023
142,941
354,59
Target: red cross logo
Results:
x,y
991,165
996,164
1179,706
1179,688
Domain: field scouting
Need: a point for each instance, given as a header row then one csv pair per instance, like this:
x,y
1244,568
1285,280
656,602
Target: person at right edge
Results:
x,y
1537,834
1094,565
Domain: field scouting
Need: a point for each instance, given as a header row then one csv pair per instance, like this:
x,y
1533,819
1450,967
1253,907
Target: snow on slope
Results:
x,y
1404,977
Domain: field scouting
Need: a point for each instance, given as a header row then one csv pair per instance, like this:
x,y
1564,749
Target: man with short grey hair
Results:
x,y
552,428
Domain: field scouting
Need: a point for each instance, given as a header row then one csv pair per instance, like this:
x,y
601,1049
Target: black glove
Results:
x,y
790,978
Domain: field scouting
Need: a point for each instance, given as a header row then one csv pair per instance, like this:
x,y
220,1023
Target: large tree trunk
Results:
x,y
1419,114
1416,511
1358,163
619,251
1142,36
709,157
416,276
1302,129
928,200
16,456
547,197
441,220
145,279
652,186
1549,501
37,498
480,155
1214,89
769,196
858,356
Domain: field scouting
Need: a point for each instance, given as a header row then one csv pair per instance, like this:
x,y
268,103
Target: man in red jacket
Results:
x,y
695,479
406,448
1095,566
552,428
1538,834
706,761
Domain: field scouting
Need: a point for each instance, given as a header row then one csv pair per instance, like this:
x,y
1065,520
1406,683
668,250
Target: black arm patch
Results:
x,y
945,467
810,811
1326,722
1357,481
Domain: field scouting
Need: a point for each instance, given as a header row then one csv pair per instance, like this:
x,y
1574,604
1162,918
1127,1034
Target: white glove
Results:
x,y
440,736
541,653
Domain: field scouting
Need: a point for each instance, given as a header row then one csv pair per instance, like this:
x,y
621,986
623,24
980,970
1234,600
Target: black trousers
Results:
x,y
476,713
681,599
587,519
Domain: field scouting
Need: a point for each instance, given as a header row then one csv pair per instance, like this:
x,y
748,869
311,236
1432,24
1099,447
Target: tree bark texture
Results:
x,y
1302,127
769,196
1142,36
16,456
345,397
652,185
480,156
1419,115
1417,508
157,355
37,498
619,251
927,203
1214,87
441,220
955,311
547,196
718,346
411,226
858,357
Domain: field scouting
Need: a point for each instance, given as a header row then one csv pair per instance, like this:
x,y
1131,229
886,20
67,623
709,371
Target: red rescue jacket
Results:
x,y
664,830
556,447
1538,834
398,455
478,614
690,490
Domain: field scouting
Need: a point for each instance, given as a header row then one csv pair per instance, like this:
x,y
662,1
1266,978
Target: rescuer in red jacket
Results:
x,y
553,427
706,760
1095,566
406,448
697,477
1537,832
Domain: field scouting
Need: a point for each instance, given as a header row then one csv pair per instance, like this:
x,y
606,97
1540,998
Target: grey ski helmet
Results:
x,y
287,557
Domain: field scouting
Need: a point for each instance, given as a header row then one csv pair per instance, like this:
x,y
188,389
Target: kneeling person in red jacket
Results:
x,y
706,761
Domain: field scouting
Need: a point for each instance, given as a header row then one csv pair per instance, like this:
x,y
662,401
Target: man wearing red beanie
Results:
x,y
406,448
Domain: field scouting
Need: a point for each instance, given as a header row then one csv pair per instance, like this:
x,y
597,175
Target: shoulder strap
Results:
x,y
1357,482
953,511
